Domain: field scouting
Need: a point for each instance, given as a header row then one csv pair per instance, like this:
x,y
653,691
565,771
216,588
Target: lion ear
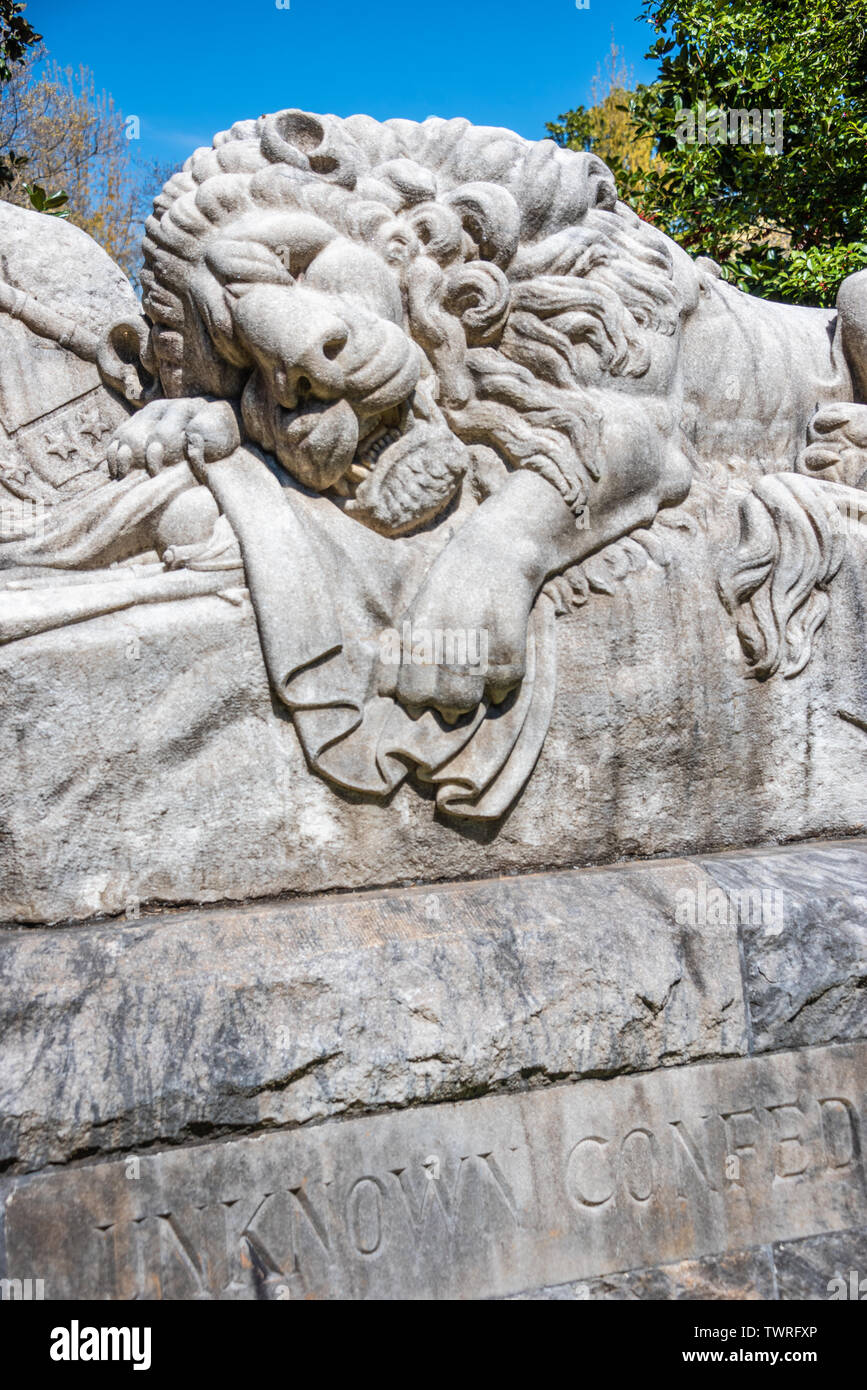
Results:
x,y
478,294
300,139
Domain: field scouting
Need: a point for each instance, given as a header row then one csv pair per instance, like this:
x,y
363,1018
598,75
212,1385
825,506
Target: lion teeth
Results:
x,y
372,449
364,462
383,442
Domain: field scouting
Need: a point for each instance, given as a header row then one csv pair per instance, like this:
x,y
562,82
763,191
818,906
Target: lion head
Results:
x,y
379,296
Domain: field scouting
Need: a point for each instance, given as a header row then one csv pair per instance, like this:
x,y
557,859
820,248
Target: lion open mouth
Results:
x,y
392,471
386,430
327,447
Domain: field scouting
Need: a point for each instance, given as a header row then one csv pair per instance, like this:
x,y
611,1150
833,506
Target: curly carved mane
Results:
x,y
566,266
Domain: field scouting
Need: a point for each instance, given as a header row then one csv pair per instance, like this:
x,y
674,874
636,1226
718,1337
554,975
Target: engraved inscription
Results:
x,y
485,1196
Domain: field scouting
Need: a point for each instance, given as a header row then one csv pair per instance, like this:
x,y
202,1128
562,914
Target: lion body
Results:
x,y
377,300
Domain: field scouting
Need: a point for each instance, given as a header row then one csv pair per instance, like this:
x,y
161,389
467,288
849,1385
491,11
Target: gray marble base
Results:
x,y
638,1081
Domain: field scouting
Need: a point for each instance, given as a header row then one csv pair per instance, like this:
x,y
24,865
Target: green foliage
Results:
x,y
786,225
606,127
16,36
52,203
75,141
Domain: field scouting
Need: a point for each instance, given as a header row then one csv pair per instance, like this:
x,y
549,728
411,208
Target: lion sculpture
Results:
x,y
437,366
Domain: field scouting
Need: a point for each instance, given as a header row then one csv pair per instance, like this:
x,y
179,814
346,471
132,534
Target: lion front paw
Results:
x,y
837,444
173,431
463,640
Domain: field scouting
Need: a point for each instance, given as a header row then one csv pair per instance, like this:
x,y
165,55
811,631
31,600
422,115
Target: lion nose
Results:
x,y
310,355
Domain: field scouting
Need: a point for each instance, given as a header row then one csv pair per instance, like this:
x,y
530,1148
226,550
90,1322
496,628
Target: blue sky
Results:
x,y
188,68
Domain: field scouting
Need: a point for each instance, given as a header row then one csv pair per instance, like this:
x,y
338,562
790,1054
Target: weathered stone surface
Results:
x,y
55,412
815,1268
71,271
739,1275
281,554
821,1267
486,1197
418,382
804,933
191,785
207,1022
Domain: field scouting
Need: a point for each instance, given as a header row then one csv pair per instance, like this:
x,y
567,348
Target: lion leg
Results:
x,y
186,522
837,434
165,434
481,591
483,585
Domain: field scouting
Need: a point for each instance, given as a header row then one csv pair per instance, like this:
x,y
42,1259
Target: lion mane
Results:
x,y
522,247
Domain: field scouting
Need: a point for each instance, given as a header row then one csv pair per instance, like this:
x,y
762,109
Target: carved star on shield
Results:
x,y
13,471
59,444
94,425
